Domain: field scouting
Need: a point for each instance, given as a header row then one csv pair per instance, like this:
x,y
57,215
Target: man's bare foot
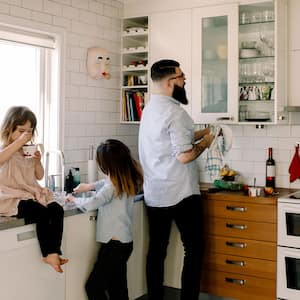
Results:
x,y
55,261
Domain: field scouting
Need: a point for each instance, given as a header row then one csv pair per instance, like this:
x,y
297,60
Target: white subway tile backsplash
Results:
x,y
4,8
81,4
20,12
62,22
70,13
53,8
42,17
278,131
33,5
96,7
87,17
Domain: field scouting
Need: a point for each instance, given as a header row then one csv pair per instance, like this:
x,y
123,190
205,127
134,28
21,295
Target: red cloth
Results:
x,y
294,168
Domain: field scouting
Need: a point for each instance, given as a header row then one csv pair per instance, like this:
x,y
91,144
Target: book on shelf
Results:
x,y
133,104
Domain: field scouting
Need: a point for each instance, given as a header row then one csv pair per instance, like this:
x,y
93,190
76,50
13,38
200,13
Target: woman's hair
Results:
x,y
115,160
16,116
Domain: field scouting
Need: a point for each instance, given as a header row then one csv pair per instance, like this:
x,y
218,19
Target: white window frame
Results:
x,y
49,37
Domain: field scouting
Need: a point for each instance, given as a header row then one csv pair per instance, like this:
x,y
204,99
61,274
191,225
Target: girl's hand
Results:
x,y
37,156
25,137
70,198
82,187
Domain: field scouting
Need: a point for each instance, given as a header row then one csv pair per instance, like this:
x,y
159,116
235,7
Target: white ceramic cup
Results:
x,y
30,149
254,191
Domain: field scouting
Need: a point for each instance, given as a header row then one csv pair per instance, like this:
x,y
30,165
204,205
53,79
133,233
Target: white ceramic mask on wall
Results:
x,y
98,63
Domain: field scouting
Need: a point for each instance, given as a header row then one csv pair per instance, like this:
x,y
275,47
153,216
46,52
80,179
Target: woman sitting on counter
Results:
x,y
20,194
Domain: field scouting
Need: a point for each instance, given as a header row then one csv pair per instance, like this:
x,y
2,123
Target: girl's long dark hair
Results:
x,y
115,160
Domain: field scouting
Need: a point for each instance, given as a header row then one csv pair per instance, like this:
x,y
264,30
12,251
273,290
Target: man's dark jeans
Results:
x,y
187,216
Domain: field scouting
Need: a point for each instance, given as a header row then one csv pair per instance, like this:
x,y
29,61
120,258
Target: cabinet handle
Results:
x,y
236,208
93,218
236,226
225,119
236,245
235,262
27,235
236,281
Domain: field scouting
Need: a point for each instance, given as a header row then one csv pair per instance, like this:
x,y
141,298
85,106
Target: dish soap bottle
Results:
x,y
76,177
69,182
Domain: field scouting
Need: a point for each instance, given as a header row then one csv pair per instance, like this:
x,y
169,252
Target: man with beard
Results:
x,y
167,151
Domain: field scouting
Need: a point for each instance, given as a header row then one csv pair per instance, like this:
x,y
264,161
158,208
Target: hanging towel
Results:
x,y
294,168
221,144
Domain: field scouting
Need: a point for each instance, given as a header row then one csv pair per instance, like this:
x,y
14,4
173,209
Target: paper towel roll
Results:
x,y
92,171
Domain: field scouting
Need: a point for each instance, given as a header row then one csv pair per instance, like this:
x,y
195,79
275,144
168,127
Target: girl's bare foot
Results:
x,y
55,261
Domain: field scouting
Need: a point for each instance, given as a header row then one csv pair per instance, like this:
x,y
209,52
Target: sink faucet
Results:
x,y
51,183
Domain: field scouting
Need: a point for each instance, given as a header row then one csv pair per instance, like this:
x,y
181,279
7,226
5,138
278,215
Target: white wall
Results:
x,y
91,106
250,145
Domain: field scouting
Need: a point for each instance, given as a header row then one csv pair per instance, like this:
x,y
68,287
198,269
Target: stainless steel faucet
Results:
x,y
50,183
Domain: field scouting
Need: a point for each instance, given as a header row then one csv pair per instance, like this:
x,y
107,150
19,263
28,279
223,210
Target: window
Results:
x,y
29,73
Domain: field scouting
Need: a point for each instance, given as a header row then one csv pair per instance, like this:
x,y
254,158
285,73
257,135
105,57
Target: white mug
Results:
x,y
30,149
254,192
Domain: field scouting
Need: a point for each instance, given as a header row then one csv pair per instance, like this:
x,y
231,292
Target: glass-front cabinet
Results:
x,y
239,63
214,69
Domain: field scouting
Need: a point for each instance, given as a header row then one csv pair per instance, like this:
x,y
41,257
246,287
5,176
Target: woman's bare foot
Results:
x,y
55,261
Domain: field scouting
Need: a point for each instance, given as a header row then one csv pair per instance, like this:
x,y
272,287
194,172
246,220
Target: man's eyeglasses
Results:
x,y
178,76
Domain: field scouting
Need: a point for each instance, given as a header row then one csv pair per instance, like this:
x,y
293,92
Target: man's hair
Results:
x,y
163,68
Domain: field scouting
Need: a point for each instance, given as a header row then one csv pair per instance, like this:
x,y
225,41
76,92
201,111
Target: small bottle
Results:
x,y
76,177
270,170
69,182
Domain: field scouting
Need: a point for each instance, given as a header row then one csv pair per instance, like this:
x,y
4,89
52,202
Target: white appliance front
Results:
x,y
289,224
288,273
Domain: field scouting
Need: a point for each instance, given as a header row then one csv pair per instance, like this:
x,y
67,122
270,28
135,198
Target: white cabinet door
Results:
x,y
81,250
294,52
170,38
23,274
215,64
136,272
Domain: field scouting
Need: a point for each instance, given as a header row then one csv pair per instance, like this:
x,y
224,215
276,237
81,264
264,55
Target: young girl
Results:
x,y
114,201
20,193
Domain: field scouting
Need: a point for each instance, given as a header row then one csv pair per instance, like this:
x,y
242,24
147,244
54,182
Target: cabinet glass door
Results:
x,y
214,64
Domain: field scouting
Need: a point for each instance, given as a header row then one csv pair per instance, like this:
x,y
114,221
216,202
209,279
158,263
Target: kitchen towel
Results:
x,y
221,144
294,168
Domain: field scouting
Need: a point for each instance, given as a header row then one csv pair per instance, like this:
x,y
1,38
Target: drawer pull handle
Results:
x,y
236,208
236,245
236,281
93,218
27,235
236,226
230,118
235,262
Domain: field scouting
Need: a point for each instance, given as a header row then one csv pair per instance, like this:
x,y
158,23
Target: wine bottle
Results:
x,y
270,170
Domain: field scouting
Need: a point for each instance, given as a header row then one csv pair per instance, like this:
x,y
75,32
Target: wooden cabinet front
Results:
x,y
240,250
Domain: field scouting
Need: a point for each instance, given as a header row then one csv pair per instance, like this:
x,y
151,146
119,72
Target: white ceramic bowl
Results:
x,y
246,53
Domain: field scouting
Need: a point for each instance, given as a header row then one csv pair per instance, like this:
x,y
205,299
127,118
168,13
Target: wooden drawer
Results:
x,y
240,210
241,247
241,287
240,265
241,229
